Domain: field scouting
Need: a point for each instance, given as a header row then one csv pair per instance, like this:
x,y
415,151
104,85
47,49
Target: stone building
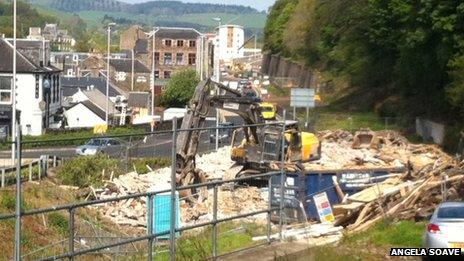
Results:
x,y
59,39
175,48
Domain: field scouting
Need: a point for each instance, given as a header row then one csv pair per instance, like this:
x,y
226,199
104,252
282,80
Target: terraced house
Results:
x,y
175,48
38,99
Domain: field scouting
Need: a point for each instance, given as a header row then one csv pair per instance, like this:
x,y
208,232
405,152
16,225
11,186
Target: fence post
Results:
x,y
150,227
54,161
214,235
30,171
282,176
269,206
172,234
18,194
3,178
39,163
71,233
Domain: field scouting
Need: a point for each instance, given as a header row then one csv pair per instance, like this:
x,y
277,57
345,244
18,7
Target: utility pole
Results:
x,y
108,73
13,86
132,77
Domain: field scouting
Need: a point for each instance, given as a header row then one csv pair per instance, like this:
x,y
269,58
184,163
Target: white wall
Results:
x,y
227,53
80,116
26,102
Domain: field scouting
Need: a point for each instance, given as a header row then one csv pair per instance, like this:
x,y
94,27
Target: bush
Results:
x,y
87,171
154,163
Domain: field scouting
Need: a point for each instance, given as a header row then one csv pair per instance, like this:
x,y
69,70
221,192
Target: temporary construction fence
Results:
x,y
169,213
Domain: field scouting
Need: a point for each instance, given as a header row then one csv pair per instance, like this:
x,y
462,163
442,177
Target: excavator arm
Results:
x,y
209,95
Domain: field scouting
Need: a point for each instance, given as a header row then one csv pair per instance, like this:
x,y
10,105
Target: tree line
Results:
x,y
410,53
149,7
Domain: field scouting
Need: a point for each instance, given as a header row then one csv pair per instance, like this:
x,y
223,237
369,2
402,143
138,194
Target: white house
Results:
x,y
88,109
229,40
38,86
84,115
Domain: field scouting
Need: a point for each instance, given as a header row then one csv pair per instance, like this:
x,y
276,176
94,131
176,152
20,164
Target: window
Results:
x,y
5,89
192,43
179,58
168,58
157,57
167,74
180,43
167,42
192,58
157,74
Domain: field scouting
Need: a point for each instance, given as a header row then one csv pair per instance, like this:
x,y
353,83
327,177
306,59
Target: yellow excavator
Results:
x,y
255,149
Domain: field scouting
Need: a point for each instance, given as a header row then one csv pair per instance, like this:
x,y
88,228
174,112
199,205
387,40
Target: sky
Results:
x,y
258,4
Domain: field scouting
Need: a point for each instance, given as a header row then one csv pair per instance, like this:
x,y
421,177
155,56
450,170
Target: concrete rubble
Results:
x,y
407,195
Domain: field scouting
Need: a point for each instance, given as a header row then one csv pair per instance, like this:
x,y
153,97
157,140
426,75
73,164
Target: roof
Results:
x,y
139,99
70,85
99,100
141,46
125,65
91,106
177,33
23,64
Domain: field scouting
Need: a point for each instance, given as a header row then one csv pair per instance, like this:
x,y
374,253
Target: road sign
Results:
x,y
302,98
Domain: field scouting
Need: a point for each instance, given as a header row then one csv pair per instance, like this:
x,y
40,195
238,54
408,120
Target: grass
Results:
x,y
196,245
352,121
71,137
375,243
245,20
43,230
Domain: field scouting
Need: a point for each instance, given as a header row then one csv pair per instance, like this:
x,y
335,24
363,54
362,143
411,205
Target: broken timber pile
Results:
x,y
412,196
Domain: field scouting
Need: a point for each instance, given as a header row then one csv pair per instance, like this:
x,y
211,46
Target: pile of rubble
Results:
x,y
133,212
391,151
409,195
432,176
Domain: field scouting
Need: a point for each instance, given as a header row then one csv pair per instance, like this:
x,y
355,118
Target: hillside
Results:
x,y
149,7
399,58
160,13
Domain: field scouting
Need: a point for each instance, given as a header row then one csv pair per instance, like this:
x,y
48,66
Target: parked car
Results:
x,y
110,146
224,134
446,226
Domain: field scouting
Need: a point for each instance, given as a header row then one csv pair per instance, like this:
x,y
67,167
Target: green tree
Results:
x,y
180,88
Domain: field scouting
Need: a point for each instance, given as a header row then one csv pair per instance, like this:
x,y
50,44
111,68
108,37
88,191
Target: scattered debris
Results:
x,y
409,195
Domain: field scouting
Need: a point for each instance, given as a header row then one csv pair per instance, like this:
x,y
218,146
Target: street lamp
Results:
x,y
218,75
108,73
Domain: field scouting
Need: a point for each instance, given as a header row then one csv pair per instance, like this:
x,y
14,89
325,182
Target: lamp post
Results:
x,y
13,87
217,71
132,72
108,72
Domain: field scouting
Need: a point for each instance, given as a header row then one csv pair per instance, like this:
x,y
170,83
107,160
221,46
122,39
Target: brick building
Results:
x,y
175,48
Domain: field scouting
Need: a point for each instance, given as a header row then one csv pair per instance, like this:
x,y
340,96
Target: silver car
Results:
x,y
446,227
95,146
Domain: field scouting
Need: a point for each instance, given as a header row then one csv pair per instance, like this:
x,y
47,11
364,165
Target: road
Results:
x,y
159,145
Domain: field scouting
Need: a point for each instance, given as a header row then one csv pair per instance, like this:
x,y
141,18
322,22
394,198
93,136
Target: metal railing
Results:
x,y
7,174
152,235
